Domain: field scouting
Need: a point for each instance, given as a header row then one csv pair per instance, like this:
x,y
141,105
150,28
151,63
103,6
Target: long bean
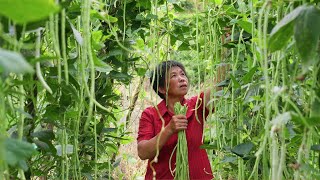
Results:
x,y
3,128
63,44
182,164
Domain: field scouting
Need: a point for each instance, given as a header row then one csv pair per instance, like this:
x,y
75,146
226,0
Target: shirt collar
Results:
x,y
163,107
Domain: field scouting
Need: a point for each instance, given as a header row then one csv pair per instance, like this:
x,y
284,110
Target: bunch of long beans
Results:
x,y
182,165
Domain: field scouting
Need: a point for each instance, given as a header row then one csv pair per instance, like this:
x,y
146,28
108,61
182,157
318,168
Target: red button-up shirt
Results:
x,y
150,125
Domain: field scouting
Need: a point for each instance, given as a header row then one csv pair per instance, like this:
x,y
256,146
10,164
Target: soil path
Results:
x,y
131,167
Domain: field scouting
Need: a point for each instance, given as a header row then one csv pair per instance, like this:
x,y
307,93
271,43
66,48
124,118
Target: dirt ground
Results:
x,y
131,167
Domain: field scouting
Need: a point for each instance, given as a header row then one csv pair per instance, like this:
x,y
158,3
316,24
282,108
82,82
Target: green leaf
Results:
x,y
236,84
88,175
315,108
184,47
242,149
178,8
141,71
179,22
173,1
219,93
46,146
117,162
103,16
299,120
152,16
24,11
23,165
144,3
25,114
209,146
13,62
115,52
42,145
246,25
111,18
53,114
139,17
315,147
306,34
247,78
139,43
306,121
17,152
45,135
218,2
101,66
105,69
108,130
120,76
314,121
43,58
76,34
282,32
224,83
228,159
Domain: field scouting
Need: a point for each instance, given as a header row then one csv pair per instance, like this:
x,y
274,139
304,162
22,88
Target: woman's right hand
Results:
x,y
177,123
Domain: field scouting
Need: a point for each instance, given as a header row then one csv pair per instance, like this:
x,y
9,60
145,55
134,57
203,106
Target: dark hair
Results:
x,y
160,73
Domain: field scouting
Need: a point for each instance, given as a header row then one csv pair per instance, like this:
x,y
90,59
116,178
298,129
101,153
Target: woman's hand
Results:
x,y
177,123
147,149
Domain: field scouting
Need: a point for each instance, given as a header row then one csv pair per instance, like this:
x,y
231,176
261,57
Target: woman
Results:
x,y
171,84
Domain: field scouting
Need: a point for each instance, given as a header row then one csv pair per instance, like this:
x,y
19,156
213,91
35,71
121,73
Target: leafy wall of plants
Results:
x,y
61,63
266,121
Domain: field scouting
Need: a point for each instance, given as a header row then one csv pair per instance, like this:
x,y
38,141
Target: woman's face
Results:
x,y
177,82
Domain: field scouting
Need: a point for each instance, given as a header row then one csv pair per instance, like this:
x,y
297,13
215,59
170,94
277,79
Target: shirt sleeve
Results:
x,y
146,125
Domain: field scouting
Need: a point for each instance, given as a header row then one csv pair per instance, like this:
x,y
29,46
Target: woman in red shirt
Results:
x,y
171,84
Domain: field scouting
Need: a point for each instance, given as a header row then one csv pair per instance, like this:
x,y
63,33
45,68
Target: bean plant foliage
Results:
x,y
51,121
62,63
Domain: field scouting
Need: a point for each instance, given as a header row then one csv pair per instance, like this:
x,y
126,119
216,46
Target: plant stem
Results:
x,y
3,128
